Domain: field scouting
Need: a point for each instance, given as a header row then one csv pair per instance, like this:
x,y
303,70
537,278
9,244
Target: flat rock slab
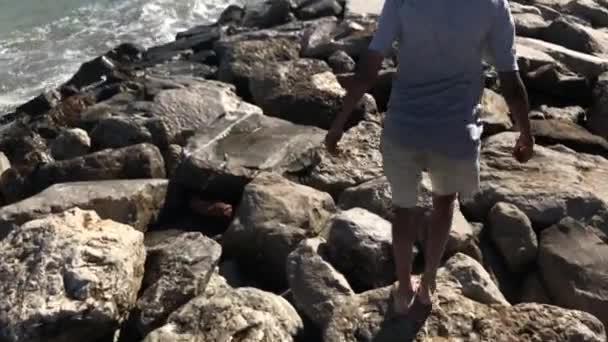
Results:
x,y
133,202
227,154
548,132
556,183
573,263
68,277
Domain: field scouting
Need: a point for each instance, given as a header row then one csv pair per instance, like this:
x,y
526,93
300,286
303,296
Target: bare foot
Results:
x,y
402,298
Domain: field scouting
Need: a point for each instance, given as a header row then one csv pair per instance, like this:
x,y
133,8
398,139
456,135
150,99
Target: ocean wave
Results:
x,y
44,56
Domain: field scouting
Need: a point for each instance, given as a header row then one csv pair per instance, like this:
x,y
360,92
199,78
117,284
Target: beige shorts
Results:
x,y
403,168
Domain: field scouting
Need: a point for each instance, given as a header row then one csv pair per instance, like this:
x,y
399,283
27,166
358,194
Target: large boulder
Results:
x,y
133,162
71,143
578,62
551,132
475,281
133,202
573,114
303,91
494,113
368,317
557,182
511,231
597,117
266,13
576,37
227,154
317,287
312,9
375,196
178,269
593,11
274,215
359,245
226,314
241,57
529,20
573,263
359,161
533,290
351,35
68,277
557,81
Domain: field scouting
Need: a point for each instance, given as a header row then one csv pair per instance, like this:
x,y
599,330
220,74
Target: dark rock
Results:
x,y
41,104
241,58
359,245
228,153
555,80
318,8
274,215
25,149
199,40
233,14
590,10
597,116
573,114
341,62
96,70
550,132
511,231
173,156
71,143
127,53
573,263
352,36
533,290
133,202
133,162
303,91
576,37
185,68
178,269
266,13
120,132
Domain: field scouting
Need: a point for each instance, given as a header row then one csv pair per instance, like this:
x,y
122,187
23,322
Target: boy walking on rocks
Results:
x,y
431,122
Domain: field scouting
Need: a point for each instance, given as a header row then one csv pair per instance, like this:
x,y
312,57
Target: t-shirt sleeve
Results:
x,y
502,38
388,28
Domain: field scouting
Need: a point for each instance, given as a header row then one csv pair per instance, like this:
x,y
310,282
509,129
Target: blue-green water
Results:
x,y
43,42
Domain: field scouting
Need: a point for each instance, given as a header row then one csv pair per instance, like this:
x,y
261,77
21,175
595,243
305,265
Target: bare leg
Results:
x,y
404,235
441,222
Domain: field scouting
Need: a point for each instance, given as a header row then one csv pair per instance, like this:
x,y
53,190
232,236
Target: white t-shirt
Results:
x,y
440,78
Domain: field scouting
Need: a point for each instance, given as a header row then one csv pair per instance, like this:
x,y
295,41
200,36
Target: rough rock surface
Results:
x,y
244,314
274,215
574,114
359,244
133,162
359,161
226,155
68,277
475,281
597,117
133,202
303,91
317,287
177,270
352,36
71,143
576,37
556,183
512,232
368,317
573,263
494,113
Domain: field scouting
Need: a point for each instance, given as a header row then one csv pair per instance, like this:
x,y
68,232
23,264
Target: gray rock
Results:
x,y
533,290
475,281
133,162
512,232
173,157
573,114
122,131
573,263
352,35
529,21
303,91
267,13
368,317
318,8
375,196
494,113
133,202
274,215
359,161
578,62
359,245
317,287
551,132
557,182
577,37
68,277
553,79
597,117
245,314
71,143
177,270
341,62
227,154
590,10
241,57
